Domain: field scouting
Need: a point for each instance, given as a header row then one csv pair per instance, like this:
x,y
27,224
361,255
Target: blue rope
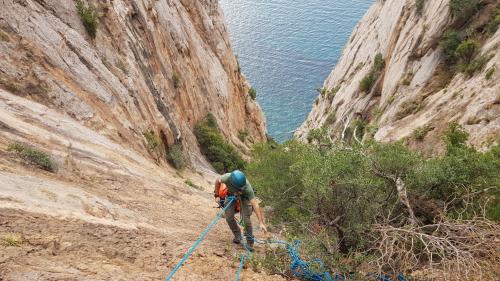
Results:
x,y
202,236
242,262
303,270
300,268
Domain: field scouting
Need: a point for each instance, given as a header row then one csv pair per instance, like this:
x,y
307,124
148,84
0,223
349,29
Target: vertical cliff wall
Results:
x,y
109,208
153,65
414,91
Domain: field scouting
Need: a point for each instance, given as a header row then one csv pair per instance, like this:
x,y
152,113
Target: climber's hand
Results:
x,y
263,227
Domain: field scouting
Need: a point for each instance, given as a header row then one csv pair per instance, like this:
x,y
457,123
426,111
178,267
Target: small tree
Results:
x,y
449,43
176,80
252,93
88,15
463,9
466,50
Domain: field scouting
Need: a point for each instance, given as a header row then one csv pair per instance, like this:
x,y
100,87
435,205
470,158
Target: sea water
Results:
x,y
287,48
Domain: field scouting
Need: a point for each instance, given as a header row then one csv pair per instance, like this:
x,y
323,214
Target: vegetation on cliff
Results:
x,y
382,205
218,151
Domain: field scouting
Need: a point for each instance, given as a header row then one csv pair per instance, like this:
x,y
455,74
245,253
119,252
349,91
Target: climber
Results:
x,y
237,185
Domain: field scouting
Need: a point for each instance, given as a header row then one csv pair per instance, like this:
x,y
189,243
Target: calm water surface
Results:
x,y
287,48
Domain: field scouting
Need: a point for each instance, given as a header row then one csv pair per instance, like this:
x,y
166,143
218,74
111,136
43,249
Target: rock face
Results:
x,y
415,89
109,210
154,65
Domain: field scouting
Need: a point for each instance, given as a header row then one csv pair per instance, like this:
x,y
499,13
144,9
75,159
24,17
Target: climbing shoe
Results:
x,y
236,240
249,247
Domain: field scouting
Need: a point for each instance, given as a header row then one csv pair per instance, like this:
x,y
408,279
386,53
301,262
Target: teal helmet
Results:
x,y
238,179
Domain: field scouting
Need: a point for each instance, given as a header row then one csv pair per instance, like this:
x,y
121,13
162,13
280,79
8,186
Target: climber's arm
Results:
x,y
259,213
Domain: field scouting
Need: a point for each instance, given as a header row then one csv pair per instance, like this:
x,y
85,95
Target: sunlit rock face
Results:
x,y
154,65
414,90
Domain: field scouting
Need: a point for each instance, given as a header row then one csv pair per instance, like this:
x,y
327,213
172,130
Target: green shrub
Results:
x,y
490,72
463,9
190,183
466,50
242,135
378,63
419,4
176,80
367,82
475,65
252,93
154,144
318,136
88,15
449,43
331,94
455,136
407,108
221,154
331,118
175,156
12,240
493,24
359,126
33,156
332,198
420,132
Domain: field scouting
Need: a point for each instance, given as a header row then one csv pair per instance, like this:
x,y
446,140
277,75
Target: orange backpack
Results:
x,y
223,193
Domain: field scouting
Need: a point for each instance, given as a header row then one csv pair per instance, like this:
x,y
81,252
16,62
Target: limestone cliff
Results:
x,y
153,65
415,90
107,209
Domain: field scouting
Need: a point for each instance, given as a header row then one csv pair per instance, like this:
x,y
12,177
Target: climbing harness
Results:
x,y
300,269
223,196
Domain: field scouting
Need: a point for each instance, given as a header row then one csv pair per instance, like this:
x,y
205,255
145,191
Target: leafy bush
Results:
x,y
175,156
190,183
367,82
242,135
378,63
33,156
474,66
449,43
12,240
463,9
252,93
221,154
322,91
420,6
407,108
489,73
334,199
466,50
331,118
154,144
455,136
334,91
319,136
88,15
420,132
493,24
176,80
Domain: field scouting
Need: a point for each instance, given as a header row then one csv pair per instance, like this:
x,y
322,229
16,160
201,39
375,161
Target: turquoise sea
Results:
x,y
287,48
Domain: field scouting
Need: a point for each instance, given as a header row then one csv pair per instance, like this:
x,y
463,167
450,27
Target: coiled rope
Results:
x,y
300,269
